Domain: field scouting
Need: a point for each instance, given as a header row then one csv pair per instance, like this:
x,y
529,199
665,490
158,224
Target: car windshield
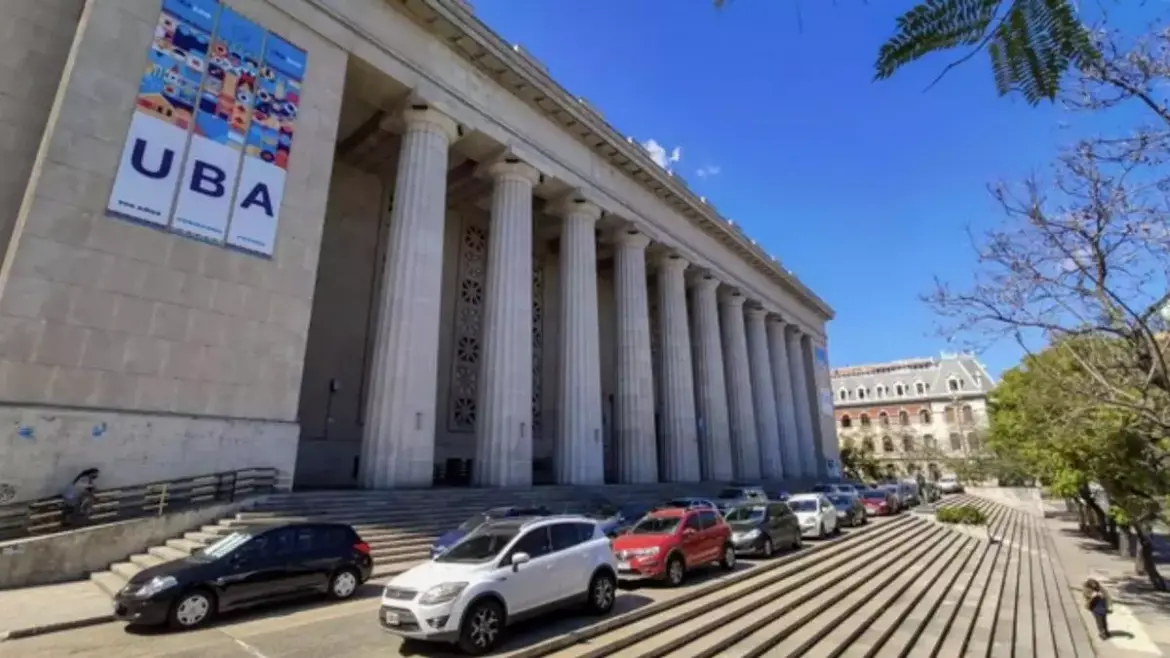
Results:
x,y
656,525
731,493
803,505
744,514
684,503
224,546
841,500
479,546
874,494
821,488
473,523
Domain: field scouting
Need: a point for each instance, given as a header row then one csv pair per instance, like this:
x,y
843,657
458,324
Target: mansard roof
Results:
x,y
935,373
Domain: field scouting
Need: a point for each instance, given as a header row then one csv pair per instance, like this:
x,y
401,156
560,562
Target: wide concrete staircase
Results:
x,y
903,588
399,526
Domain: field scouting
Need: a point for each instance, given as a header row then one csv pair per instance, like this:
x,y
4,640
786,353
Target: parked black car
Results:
x,y
251,566
850,510
760,528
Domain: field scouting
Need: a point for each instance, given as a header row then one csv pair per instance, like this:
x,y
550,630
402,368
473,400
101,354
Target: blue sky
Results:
x,y
864,189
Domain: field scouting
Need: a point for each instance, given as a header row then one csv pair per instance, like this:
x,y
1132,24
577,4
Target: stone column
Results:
x,y
710,387
801,403
764,395
634,402
503,428
785,406
578,451
737,372
680,434
817,449
398,449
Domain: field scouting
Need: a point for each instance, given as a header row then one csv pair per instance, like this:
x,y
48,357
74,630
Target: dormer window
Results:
x,y
953,385
920,388
899,390
861,394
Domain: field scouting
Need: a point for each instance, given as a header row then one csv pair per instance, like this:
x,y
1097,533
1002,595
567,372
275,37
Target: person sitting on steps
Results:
x,y
1098,603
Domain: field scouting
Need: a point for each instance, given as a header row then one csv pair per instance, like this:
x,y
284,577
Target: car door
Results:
x,y
829,514
778,528
693,542
713,536
316,556
571,564
531,585
256,571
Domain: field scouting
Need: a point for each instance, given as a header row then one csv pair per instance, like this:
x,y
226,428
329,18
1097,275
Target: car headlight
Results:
x,y
749,535
442,593
156,585
649,551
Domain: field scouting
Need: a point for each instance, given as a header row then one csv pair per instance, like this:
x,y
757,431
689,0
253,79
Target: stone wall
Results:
x,y
133,327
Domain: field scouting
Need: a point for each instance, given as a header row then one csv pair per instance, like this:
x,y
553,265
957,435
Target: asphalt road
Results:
x,y
312,630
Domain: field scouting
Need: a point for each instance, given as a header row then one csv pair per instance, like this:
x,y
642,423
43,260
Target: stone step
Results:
x,y
108,581
184,545
126,570
166,553
146,560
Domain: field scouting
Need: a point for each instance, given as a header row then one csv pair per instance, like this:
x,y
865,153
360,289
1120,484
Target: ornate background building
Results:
x,y
916,414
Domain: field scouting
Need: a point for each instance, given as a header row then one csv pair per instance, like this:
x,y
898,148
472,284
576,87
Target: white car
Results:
x,y
817,516
503,571
949,484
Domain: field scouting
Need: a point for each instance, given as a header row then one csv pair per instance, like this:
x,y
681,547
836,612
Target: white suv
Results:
x,y
502,572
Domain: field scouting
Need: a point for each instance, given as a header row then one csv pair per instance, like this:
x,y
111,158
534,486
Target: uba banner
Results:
x,y
209,142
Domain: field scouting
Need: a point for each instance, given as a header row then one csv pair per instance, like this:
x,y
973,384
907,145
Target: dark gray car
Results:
x,y
762,527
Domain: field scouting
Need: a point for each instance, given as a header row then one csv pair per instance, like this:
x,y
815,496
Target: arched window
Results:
x,y
920,388
846,422
924,416
928,442
913,469
903,418
843,394
899,390
953,384
934,470
972,442
908,443
950,415
956,442
884,419
867,444
887,444
864,420
968,416
861,394
891,470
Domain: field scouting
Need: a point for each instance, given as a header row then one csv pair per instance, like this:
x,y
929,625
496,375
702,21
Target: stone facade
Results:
x,y
419,320
916,414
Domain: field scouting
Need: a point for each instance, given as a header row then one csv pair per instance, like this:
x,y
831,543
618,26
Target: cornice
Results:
x,y
461,19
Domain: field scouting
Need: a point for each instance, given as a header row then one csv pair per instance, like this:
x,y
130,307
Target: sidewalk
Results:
x,y
35,610
1140,622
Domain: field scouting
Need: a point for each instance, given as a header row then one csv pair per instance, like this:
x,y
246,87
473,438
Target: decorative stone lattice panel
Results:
x,y
537,347
468,325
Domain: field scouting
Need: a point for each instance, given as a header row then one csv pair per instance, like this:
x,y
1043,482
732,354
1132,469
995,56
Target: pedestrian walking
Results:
x,y
1098,603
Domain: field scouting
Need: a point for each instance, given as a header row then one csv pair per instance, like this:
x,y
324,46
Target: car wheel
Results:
x,y
836,529
192,610
768,548
676,571
343,584
798,543
602,593
821,531
728,559
481,629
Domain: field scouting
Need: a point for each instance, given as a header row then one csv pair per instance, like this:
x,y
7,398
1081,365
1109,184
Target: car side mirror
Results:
x,y
687,532
519,559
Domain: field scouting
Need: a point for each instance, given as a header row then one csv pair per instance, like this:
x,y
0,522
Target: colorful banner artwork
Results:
x,y
217,87
157,144
269,142
822,357
221,125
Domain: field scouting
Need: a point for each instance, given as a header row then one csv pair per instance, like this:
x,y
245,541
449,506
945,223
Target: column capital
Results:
x,y
757,312
421,116
705,281
777,320
574,203
671,261
630,236
732,297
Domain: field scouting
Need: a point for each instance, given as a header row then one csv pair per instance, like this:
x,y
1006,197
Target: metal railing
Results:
x,y
48,515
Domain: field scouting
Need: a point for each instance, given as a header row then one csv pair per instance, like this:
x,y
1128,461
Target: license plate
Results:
x,y
623,566
391,618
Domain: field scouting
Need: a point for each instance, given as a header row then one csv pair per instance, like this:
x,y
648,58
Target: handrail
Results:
x,y
47,515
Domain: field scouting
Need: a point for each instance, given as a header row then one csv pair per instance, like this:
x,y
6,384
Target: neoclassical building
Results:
x,y
369,243
915,414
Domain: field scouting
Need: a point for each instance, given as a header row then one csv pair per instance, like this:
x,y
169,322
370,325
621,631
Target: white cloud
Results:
x,y
660,155
708,171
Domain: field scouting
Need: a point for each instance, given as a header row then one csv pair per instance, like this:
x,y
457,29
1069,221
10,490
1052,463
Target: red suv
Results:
x,y
668,542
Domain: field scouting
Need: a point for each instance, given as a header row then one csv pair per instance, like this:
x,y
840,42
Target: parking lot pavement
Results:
x,y
312,630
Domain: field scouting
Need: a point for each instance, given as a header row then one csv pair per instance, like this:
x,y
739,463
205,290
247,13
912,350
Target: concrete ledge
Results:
x,y
74,554
18,633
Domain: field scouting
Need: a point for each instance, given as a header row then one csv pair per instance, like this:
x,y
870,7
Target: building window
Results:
x,y
924,416
928,442
956,442
953,384
968,416
908,443
903,418
899,390
887,444
950,415
864,420
846,422
884,419
843,394
861,394
972,442
867,443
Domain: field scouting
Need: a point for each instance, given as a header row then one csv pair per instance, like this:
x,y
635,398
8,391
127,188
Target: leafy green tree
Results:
x,y
859,462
